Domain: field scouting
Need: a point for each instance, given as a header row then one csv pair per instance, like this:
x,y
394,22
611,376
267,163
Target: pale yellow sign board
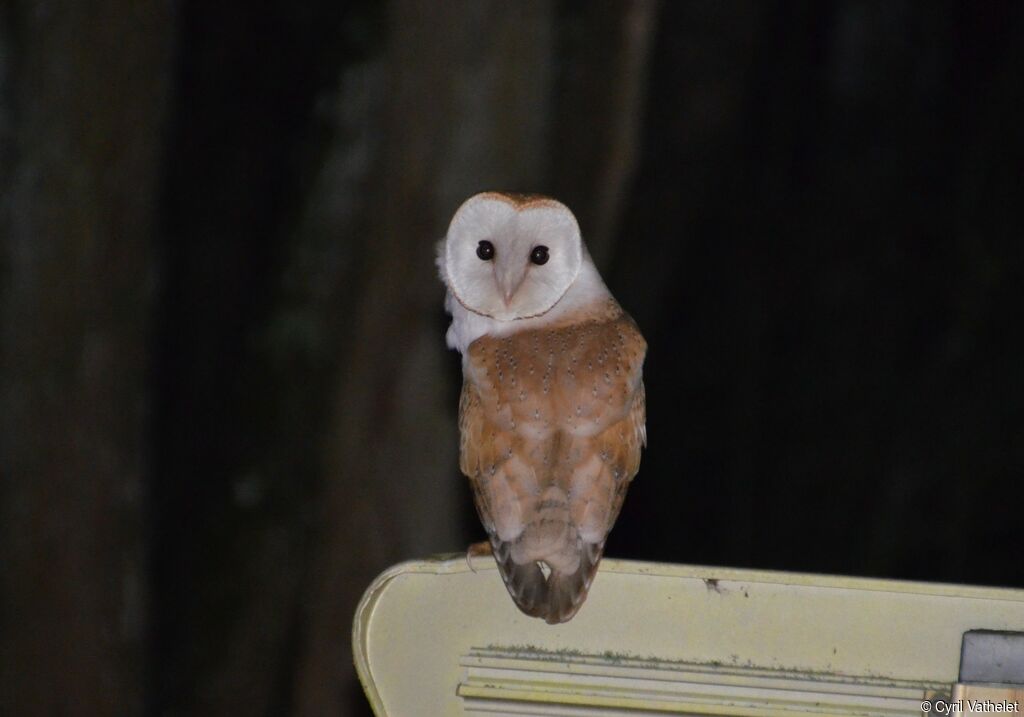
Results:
x,y
437,638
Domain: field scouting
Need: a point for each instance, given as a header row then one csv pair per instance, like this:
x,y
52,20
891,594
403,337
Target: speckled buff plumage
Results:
x,y
552,409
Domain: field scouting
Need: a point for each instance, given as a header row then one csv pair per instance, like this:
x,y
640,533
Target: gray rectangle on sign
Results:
x,y
992,656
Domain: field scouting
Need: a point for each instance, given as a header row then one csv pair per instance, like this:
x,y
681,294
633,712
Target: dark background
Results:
x,y
225,400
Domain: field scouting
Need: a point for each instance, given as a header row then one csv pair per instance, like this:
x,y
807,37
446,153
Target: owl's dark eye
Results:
x,y
539,255
485,250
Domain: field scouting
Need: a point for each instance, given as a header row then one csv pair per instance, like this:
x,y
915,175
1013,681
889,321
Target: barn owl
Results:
x,y
552,416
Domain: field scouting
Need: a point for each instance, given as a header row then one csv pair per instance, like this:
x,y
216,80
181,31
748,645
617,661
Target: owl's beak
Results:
x,y
507,294
509,280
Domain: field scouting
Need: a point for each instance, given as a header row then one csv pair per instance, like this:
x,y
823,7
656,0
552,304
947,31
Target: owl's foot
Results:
x,y
476,550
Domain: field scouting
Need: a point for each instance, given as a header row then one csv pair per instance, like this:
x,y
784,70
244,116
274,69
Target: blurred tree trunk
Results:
x,y
467,110
602,91
80,115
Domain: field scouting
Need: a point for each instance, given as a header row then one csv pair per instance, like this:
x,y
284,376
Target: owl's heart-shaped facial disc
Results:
x,y
510,257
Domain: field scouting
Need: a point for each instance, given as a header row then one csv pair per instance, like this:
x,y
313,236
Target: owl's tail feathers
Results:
x,y
526,583
556,598
566,593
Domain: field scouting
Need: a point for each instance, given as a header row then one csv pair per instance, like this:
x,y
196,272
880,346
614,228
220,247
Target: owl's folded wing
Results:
x,y
501,486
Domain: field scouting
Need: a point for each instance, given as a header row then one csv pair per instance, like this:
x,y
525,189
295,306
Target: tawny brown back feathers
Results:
x,y
552,423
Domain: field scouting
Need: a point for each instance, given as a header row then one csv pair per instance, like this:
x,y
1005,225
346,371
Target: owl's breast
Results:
x,y
578,378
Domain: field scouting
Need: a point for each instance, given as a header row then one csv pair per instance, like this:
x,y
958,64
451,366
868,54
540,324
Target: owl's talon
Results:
x,y
476,550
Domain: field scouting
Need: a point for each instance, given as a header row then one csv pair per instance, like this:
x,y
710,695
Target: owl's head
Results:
x,y
510,257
